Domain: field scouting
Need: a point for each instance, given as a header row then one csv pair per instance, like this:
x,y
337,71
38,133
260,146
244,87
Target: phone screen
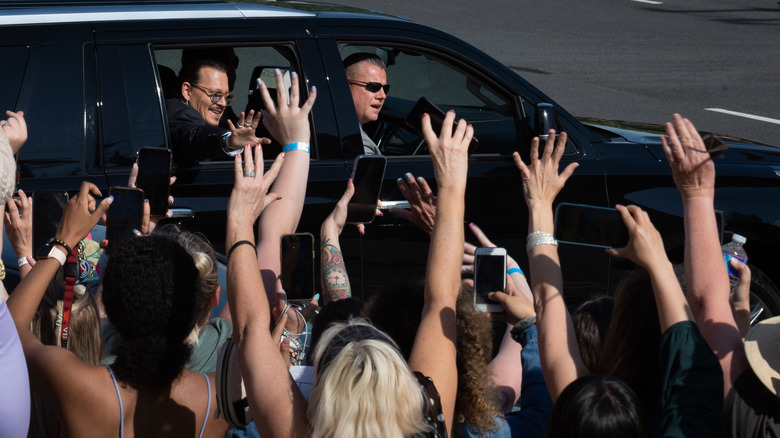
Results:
x,y
590,225
489,276
154,177
298,266
367,175
47,213
124,215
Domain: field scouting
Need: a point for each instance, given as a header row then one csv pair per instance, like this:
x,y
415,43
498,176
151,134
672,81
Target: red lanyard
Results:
x,y
71,272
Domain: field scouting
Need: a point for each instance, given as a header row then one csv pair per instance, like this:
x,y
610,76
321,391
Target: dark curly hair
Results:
x,y
150,295
398,309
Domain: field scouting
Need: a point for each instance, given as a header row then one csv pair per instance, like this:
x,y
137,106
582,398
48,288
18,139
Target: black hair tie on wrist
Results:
x,y
237,244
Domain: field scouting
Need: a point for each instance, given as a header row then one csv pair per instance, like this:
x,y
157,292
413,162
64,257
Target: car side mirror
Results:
x,y
546,119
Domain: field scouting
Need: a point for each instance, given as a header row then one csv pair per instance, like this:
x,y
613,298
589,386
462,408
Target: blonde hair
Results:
x,y
85,341
199,248
365,390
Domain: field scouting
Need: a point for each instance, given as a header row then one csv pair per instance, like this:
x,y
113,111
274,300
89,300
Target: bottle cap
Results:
x,y
739,239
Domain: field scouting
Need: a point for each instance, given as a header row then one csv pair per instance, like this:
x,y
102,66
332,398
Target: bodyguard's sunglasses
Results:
x,y
215,96
372,87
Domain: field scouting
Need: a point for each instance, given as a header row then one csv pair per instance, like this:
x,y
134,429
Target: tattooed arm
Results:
x,y
335,282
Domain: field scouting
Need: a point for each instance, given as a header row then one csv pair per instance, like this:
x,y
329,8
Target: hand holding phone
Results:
x,y
367,175
489,276
154,178
47,213
589,225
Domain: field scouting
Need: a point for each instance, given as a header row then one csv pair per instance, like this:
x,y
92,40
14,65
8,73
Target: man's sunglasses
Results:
x,y
372,87
215,96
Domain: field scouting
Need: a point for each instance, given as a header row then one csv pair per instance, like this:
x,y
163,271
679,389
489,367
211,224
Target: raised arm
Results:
x,y
333,271
433,353
289,125
18,227
558,350
277,406
646,248
705,273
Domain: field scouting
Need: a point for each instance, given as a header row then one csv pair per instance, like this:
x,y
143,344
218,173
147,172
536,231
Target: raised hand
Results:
x,y
18,225
541,180
286,122
422,202
692,167
250,192
81,214
449,150
15,128
243,134
645,245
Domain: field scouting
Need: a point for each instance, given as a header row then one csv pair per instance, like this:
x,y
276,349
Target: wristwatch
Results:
x,y
52,250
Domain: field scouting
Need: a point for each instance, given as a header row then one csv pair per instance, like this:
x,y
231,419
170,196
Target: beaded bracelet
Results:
x,y
297,146
539,238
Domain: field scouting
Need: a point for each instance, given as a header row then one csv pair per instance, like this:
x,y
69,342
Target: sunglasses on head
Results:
x,y
215,96
372,87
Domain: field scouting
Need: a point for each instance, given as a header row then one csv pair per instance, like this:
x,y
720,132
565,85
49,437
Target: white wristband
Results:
x,y
22,261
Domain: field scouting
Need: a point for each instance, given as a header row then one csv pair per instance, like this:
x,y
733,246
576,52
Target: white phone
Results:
x,y
489,276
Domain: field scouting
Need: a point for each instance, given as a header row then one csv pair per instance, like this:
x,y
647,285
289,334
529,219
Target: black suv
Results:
x,y
92,79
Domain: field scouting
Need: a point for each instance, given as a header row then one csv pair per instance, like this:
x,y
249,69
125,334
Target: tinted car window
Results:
x,y
15,61
413,74
130,110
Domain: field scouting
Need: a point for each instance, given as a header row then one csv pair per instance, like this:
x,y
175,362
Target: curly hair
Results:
x,y
398,309
148,296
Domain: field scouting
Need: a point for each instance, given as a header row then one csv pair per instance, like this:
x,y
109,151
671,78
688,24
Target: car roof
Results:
x,y
75,11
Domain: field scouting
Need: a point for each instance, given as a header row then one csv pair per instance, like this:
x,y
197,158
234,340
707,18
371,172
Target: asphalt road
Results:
x,y
629,59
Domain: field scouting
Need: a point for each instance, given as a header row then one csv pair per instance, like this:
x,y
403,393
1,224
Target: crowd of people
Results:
x,y
137,354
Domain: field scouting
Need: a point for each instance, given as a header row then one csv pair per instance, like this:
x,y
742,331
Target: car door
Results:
x,y
455,76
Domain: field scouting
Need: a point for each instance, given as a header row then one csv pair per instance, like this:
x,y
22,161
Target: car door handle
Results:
x,y
387,205
182,213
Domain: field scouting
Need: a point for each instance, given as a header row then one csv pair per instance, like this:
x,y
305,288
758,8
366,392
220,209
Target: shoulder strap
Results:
x,y
208,409
121,407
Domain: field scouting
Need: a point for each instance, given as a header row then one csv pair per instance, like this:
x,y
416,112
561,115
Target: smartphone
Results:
x,y
425,106
367,175
589,225
154,178
47,213
489,276
297,252
124,215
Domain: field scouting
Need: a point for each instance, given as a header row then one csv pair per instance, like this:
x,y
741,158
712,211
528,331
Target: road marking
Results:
x,y
651,2
745,115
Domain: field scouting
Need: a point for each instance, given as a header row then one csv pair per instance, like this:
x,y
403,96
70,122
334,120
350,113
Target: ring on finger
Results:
x,y
249,173
4,124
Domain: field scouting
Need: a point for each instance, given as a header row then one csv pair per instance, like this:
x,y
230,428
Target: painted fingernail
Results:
x,y
419,179
381,214
313,89
277,72
259,82
169,214
317,297
294,75
136,231
111,198
471,224
173,179
408,175
146,200
400,181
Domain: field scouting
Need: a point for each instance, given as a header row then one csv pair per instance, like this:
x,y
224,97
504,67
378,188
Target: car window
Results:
x,y
130,113
413,74
15,60
252,63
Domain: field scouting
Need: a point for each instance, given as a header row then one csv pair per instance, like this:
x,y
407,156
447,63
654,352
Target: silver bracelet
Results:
x,y
539,238
22,261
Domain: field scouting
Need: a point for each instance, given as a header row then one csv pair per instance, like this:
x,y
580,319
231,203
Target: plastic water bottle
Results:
x,y
734,249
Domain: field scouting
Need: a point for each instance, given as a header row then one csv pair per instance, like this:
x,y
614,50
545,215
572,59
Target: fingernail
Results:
x,y
146,200
471,224
313,89
169,214
350,180
400,181
259,82
317,297
381,214
173,178
408,175
419,179
136,231
294,75
277,71
110,198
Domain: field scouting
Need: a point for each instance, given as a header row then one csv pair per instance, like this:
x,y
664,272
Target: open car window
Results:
x,y
414,74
